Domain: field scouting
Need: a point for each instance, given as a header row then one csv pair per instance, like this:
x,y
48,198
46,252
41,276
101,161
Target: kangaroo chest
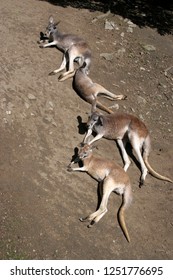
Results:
x,y
111,132
98,172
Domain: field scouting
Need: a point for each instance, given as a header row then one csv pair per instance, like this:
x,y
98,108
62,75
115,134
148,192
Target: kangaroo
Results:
x,y
124,127
74,49
111,178
88,90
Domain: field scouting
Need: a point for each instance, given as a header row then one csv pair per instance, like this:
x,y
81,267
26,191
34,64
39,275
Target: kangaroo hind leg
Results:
x,y
109,95
97,215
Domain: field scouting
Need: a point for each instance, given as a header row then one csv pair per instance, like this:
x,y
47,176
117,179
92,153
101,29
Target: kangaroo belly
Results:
x,y
99,175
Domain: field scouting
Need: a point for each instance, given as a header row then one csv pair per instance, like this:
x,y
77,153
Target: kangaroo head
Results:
x,y
52,27
95,119
84,151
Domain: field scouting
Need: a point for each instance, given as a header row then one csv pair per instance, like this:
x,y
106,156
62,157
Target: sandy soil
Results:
x,y
40,202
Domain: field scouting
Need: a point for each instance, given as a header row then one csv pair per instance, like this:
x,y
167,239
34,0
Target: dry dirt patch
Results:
x,y
40,201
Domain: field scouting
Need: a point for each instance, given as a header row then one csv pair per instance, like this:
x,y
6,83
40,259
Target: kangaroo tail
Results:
x,y
127,198
104,108
154,173
147,148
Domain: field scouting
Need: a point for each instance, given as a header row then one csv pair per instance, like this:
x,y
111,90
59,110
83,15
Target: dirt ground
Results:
x,y
40,125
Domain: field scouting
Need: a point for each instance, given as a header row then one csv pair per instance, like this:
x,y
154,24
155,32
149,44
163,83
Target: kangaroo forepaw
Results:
x,y
83,219
91,224
60,78
52,73
69,168
141,183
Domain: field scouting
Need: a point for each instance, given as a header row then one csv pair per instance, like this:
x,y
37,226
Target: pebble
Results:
x,y
31,96
129,29
116,106
27,105
131,24
149,48
141,100
100,16
107,56
109,25
120,52
8,112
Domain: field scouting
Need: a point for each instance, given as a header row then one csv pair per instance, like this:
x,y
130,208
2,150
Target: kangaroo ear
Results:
x,y
56,23
100,120
51,20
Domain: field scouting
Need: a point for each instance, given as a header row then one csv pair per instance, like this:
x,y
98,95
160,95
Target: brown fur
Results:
x,y
111,178
73,47
122,127
89,91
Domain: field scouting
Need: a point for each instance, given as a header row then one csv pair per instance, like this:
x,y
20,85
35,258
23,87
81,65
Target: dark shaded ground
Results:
x,y
40,202
156,14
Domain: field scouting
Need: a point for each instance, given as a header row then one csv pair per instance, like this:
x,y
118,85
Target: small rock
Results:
x,y
5,120
8,112
10,105
51,104
107,56
149,48
129,29
101,16
141,100
47,119
116,106
120,52
141,117
109,25
131,24
162,85
31,96
54,123
27,105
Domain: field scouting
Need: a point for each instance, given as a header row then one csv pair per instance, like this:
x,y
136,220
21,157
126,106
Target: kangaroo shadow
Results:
x,y
75,158
157,14
82,126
